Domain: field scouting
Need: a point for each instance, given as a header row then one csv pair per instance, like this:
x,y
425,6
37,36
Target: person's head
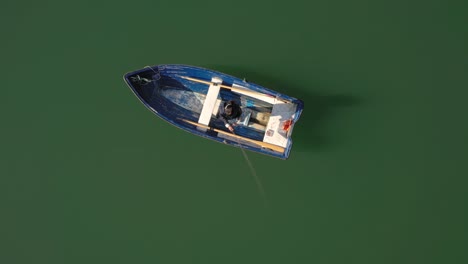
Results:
x,y
231,108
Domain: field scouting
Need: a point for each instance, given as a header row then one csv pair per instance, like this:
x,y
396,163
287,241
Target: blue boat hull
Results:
x,y
164,91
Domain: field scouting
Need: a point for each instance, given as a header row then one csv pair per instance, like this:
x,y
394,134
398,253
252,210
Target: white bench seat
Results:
x,y
211,101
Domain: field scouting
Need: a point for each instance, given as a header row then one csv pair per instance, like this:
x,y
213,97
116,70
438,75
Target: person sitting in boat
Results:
x,y
229,112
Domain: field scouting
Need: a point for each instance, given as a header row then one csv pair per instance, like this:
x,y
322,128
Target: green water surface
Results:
x,y
377,173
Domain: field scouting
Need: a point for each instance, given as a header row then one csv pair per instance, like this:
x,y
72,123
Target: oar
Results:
x,y
260,143
251,93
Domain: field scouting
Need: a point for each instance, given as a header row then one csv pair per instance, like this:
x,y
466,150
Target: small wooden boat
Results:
x,y
189,97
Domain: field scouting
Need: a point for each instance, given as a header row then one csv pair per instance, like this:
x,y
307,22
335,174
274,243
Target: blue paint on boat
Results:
x,y
162,89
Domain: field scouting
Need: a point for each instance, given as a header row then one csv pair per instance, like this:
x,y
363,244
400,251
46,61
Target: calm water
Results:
x,y
377,173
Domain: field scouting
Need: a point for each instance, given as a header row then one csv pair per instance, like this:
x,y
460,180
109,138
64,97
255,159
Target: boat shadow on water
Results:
x,y
322,112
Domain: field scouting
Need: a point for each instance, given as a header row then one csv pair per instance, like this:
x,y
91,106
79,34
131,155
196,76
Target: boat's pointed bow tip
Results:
x,y
126,76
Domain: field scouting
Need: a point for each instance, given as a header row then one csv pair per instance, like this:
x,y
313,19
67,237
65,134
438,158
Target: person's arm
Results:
x,y
222,116
226,123
231,128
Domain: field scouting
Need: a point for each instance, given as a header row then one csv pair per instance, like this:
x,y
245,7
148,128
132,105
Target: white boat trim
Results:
x,y
259,96
210,101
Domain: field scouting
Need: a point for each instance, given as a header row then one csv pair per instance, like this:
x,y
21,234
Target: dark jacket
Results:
x,y
236,112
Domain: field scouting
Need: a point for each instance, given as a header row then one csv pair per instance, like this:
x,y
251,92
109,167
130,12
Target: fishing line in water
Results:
x,y
253,172
255,176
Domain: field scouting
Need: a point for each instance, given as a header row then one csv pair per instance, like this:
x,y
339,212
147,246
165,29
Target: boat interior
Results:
x,y
176,99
